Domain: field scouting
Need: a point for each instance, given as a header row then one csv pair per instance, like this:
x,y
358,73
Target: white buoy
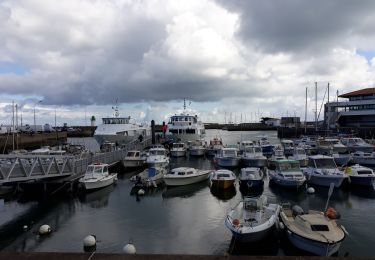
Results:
x,y
281,225
89,241
25,227
129,249
310,190
141,192
44,230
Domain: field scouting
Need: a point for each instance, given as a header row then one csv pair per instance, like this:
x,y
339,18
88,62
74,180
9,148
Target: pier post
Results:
x,y
153,131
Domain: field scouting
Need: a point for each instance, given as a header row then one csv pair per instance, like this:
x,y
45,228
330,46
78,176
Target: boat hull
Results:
x,y
228,162
312,246
364,161
253,237
362,180
325,180
222,184
93,185
118,139
133,163
186,181
287,183
251,184
197,152
178,153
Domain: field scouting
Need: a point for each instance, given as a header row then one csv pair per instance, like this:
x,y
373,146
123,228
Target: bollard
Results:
x,y
153,131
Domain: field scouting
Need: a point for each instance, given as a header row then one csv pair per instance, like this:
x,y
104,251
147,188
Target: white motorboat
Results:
x,y
134,159
299,154
157,157
97,176
364,158
151,177
288,147
253,219
227,157
360,175
185,176
245,144
198,148
287,173
223,179
120,130
328,146
185,127
252,156
356,144
312,231
178,150
251,177
322,170
215,145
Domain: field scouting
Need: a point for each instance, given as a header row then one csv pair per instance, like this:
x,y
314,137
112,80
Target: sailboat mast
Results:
x,y
316,106
306,112
328,110
13,122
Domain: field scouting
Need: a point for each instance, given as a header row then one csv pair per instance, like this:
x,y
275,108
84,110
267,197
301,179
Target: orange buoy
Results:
x,y
331,213
236,222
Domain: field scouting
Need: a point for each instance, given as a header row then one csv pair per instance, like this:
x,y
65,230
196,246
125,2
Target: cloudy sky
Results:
x,y
250,58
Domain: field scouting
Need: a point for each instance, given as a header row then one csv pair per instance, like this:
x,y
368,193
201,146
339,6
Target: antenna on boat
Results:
x,y
115,109
184,104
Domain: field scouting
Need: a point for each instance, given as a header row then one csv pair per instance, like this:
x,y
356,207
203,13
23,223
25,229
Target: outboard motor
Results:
x,y
297,210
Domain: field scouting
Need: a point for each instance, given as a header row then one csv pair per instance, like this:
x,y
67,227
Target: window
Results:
x,y
319,228
181,173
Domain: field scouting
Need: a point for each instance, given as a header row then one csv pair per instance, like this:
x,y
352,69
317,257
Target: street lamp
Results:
x,y
40,101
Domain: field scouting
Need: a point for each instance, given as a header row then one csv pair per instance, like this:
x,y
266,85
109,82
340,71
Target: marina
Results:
x,y
189,218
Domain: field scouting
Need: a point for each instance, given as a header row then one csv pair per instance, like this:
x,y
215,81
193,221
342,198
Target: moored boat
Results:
x,y
251,177
97,176
287,173
215,145
157,157
364,158
223,179
253,219
227,157
134,159
322,170
299,154
197,148
312,231
185,176
151,177
355,144
252,156
178,150
360,175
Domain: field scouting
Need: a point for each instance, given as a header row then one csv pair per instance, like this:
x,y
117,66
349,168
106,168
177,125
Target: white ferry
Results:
x,y
185,127
120,130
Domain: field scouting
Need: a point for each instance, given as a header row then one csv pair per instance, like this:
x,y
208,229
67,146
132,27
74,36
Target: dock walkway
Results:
x,y
25,168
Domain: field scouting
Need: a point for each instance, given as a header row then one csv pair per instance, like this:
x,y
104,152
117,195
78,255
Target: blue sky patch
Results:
x,y
368,54
7,67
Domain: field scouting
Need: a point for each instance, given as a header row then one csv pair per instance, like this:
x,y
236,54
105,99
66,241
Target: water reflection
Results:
x,y
98,198
224,194
267,246
185,191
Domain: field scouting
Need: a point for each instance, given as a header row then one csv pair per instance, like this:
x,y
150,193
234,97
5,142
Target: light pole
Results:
x,y
40,101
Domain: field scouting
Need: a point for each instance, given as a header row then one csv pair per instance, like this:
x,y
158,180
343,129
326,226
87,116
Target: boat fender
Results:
x,y
281,225
297,210
141,192
89,241
331,213
129,249
45,230
236,222
310,190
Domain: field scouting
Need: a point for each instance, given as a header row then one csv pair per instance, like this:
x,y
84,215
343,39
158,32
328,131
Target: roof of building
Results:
x,y
361,92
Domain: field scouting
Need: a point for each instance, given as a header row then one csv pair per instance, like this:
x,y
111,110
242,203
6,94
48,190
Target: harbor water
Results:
x,y
179,220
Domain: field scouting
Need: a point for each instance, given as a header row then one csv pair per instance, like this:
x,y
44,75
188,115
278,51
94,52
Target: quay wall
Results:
x,y
296,132
100,256
31,141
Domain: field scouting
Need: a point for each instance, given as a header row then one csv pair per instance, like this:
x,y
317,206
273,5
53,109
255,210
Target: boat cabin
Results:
x,y
133,154
97,168
251,173
157,151
228,152
178,145
216,141
321,162
254,204
182,171
287,166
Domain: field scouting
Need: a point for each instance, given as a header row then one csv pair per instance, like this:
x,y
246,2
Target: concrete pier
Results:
x,y
100,256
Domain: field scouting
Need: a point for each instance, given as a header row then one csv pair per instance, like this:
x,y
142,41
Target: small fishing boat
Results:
x,y
267,147
356,144
313,231
151,177
299,154
185,176
157,157
227,157
197,148
252,156
245,144
97,176
277,155
223,179
253,219
251,177
364,158
287,173
178,150
288,147
360,175
134,159
328,146
322,170
215,145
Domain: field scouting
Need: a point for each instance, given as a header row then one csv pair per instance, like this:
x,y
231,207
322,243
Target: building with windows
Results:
x,y
358,110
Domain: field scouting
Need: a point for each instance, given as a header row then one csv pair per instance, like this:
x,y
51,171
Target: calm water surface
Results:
x,y
182,220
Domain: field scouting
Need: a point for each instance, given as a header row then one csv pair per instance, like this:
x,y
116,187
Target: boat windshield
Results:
x,y
133,154
223,175
94,169
230,153
358,141
157,152
289,166
326,163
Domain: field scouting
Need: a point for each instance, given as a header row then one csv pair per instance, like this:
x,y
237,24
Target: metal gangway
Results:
x,y
23,168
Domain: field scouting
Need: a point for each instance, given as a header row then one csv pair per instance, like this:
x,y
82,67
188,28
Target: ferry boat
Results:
x,y
120,130
185,127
